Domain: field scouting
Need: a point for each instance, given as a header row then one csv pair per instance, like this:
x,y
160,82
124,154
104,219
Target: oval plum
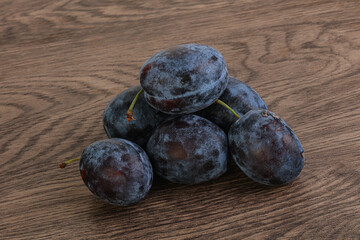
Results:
x,y
184,79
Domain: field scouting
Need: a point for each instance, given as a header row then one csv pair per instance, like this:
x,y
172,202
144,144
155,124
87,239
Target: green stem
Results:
x,y
63,165
227,106
129,115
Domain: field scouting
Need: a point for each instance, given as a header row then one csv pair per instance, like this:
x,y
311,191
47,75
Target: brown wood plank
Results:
x,y
61,62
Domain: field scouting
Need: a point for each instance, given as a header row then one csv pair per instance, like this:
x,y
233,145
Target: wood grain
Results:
x,y
61,62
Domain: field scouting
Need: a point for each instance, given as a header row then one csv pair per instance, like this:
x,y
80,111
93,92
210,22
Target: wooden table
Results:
x,y
61,62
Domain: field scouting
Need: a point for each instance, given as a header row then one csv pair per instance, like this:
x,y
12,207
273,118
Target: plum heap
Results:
x,y
183,122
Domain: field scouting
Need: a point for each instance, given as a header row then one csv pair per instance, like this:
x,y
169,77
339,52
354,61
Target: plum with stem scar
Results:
x,y
116,119
241,97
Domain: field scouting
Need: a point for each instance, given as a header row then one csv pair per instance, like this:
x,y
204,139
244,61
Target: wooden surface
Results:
x,y
61,62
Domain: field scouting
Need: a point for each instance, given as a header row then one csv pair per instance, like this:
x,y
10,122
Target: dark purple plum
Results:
x,y
117,171
139,130
184,79
265,148
188,149
240,97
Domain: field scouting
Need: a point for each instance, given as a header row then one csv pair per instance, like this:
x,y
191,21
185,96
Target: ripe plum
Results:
x,y
240,97
138,131
265,148
184,79
188,149
116,170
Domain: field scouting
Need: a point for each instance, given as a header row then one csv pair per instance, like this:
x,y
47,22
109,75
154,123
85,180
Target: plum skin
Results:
x,y
139,130
265,148
184,79
117,171
188,150
240,97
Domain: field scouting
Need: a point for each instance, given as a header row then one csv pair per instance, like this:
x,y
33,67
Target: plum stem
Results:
x,y
218,101
129,114
63,165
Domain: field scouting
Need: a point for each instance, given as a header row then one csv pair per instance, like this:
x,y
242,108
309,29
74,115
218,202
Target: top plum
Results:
x,y
184,79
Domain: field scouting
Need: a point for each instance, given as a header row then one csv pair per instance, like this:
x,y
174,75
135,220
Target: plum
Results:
x,y
139,131
184,79
265,148
117,171
240,97
188,149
